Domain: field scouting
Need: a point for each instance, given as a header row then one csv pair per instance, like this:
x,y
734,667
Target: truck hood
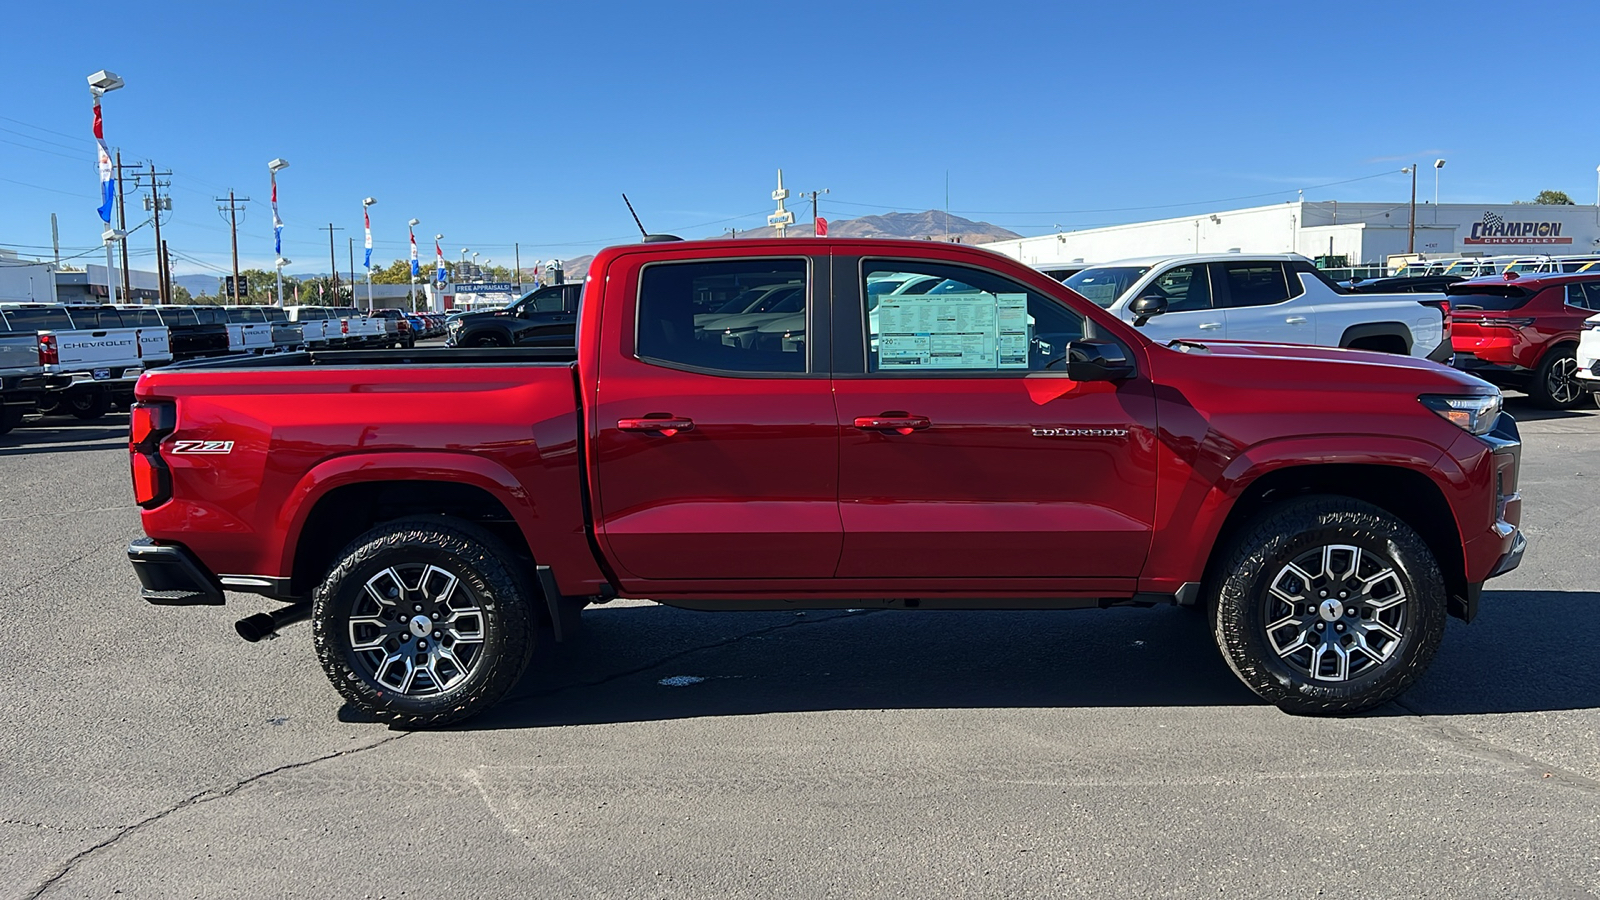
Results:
x,y
1331,366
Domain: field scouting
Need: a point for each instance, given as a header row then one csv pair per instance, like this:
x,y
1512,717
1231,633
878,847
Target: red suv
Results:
x,y
1521,331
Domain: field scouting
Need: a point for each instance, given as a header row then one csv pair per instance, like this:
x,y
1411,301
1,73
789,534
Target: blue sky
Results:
x,y
523,122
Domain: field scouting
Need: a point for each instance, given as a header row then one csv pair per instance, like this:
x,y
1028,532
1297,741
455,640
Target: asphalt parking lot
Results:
x,y
151,753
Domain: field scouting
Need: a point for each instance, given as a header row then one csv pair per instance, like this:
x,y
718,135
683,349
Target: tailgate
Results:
x,y
88,349
19,351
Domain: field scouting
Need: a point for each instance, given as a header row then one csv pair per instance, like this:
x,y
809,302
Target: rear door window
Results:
x,y
1187,288
669,330
1254,283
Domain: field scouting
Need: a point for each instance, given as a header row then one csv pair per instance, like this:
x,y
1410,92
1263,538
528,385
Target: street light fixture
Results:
x,y
101,83
273,168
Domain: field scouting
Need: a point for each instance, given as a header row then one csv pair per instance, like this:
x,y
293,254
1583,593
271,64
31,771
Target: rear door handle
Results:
x,y
1296,320
898,423
657,423
1210,326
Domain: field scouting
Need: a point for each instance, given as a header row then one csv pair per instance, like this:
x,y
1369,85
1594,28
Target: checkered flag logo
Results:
x,y
1490,220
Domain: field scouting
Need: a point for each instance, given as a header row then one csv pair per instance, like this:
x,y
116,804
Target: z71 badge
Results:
x,y
202,446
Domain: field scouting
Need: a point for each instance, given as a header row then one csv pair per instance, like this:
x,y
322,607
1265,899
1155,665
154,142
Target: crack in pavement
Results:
x,y
628,673
205,796
1472,745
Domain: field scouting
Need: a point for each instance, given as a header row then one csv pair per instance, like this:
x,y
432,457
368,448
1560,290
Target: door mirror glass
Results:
x,y
1147,306
1098,361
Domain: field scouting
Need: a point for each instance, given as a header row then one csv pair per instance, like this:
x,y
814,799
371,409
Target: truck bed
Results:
x,y
421,356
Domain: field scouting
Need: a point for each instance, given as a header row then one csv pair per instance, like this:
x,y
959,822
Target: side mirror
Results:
x,y
1097,361
1147,306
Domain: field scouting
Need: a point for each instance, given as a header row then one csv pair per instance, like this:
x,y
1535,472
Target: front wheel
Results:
x,y
1555,384
1328,605
424,621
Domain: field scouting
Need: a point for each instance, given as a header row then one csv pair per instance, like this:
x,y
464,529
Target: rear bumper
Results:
x,y
1503,374
169,575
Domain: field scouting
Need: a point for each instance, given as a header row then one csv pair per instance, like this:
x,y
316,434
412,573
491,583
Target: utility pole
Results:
x,y
517,249
122,223
813,196
352,271
166,260
1411,226
156,204
333,264
232,209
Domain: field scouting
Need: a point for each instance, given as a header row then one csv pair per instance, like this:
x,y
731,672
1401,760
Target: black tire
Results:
x,y
88,405
1243,605
485,340
506,612
49,403
10,417
1554,383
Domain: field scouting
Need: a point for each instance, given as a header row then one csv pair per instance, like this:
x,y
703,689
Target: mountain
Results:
x,y
933,224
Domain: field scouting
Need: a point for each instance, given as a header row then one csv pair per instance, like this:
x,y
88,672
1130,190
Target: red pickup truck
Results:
x,y
934,426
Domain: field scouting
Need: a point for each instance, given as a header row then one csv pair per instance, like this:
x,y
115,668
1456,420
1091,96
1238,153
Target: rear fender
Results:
x,y
356,468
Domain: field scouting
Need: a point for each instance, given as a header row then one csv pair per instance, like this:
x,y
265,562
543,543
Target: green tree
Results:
x,y
1553,198
397,272
180,294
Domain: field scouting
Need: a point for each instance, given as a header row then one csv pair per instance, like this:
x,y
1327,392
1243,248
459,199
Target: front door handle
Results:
x,y
1210,326
1295,320
899,423
663,424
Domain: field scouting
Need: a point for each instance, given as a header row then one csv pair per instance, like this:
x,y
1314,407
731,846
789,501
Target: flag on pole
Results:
x,y
414,269
297,295
366,221
439,273
277,223
107,175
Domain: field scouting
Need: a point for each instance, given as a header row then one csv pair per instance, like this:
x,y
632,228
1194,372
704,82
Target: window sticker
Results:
x,y
970,330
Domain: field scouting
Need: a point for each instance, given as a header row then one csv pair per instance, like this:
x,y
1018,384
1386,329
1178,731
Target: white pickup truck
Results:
x,y
21,375
1276,298
248,330
90,356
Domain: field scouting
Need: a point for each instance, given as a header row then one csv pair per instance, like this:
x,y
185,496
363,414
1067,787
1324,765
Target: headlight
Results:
x,y
1474,414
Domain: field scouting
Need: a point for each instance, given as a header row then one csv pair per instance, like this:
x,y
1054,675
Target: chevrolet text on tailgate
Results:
x,y
930,426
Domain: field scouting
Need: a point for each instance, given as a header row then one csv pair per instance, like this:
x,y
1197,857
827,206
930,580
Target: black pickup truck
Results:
x,y
196,332
545,317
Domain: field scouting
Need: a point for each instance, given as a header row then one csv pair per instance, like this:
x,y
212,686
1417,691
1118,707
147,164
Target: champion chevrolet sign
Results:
x,y
1495,230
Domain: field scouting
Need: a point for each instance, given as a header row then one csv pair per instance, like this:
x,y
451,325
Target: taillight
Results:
x,y
148,423
344,326
49,352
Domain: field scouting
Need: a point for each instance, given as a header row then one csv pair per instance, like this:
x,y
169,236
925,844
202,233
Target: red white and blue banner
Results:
x,y
438,251
108,186
367,221
414,269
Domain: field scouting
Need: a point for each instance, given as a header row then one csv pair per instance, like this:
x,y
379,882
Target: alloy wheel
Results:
x,y
1563,380
416,629
1336,612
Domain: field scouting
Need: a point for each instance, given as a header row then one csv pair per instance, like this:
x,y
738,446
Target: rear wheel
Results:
x,y
1555,384
1328,605
424,621
10,417
486,340
88,405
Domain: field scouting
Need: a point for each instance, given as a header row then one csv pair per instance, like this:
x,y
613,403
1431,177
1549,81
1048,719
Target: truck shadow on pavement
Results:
x,y
1528,651
64,434
1523,410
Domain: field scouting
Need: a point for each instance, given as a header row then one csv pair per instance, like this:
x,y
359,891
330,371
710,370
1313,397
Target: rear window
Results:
x,y
1487,296
174,318
53,319
95,318
274,314
143,318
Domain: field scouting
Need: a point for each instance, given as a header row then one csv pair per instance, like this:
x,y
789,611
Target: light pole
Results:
x,y
101,83
278,264
477,272
1437,165
411,232
1411,226
367,221
274,168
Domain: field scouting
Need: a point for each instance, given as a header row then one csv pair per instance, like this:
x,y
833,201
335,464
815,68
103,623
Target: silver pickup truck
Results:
x,y
90,356
21,376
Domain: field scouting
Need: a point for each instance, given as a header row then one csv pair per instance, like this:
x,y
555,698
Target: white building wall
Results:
x,y
1365,233
24,282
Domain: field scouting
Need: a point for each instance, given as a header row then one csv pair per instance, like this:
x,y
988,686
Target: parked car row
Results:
x,y
82,359
1483,266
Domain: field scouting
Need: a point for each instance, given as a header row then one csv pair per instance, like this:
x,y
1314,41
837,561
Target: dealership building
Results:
x,y
1362,233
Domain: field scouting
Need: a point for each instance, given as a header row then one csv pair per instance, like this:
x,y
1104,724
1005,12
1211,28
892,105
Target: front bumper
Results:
x,y
169,575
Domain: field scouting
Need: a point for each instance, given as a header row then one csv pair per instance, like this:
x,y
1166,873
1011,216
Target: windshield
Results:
x,y
1103,285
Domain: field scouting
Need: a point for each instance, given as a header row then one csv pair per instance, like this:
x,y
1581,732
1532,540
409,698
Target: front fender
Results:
x,y
1192,519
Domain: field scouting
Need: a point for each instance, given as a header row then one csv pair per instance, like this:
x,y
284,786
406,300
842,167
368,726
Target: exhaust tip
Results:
x,y
255,628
